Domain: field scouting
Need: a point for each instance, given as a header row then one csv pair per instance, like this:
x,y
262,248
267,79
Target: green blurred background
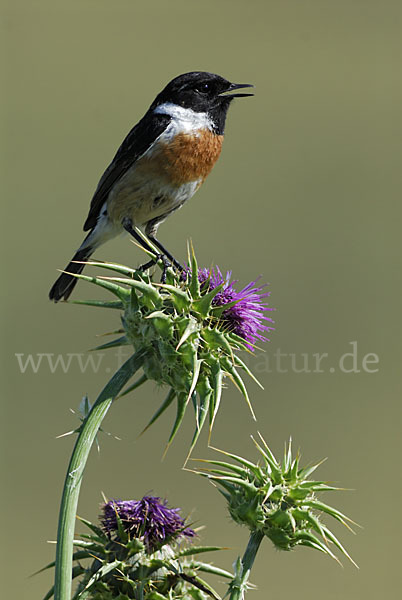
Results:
x,y
306,194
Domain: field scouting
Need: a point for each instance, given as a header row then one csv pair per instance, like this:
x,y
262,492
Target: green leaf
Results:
x,y
310,518
216,381
338,544
239,342
194,281
249,487
242,342
121,531
268,454
122,269
226,493
93,539
149,291
270,467
305,538
191,327
198,550
215,339
321,486
203,305
207,568
317,546
294,469
219,472
180,298
165,404
181,409
205,393
97,530
50,594
162,323
155,596
196,372
330,511
99,303
134,386
134,301
121,341
201,584
80,555
90,543
298,493
104,570
287,459
307,471
117,290
243,461
238,470
85,594
230,369
243,365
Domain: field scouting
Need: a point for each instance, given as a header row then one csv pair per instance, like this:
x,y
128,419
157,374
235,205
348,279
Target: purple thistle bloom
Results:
x,y
245,318
149,519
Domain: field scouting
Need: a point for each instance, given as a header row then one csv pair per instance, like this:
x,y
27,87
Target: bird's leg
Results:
x,y
175,262
128,226
166,264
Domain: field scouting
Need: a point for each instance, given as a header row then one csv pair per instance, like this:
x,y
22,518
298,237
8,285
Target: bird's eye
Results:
x,y
203,88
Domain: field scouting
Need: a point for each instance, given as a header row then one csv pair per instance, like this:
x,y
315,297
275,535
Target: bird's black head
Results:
x,y
202,92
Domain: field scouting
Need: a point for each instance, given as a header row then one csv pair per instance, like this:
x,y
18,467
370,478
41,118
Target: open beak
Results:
x,y
236,86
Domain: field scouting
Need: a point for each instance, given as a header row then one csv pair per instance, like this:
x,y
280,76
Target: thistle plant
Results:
x,y
140,550
186,334
276,500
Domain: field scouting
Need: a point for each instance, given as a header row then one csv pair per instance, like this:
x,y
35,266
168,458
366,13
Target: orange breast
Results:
x,y
187,157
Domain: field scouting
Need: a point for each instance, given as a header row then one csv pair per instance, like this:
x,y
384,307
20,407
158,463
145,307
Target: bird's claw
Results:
x,y
158,257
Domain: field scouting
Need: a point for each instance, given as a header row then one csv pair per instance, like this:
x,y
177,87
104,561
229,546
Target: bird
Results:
x,y
160,165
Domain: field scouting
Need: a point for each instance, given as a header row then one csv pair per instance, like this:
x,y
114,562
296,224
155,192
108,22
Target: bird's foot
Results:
x,y
158,257
147,265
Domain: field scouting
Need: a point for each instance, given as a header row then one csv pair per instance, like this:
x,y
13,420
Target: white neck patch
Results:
x,y
186,118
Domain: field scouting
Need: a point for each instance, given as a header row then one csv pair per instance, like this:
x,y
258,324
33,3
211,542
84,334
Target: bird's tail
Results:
x,y
65,284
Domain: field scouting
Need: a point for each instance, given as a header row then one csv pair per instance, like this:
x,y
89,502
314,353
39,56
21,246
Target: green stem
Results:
x,y
72,484
238,585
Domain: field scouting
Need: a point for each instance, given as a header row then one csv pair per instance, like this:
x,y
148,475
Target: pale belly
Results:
x,y
142,197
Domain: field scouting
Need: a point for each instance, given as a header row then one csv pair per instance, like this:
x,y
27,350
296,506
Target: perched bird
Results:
x,y
159,166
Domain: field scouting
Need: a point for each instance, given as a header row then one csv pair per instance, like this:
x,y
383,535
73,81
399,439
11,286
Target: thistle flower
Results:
x,y
186,333
279,501
245,313
136,554
149,519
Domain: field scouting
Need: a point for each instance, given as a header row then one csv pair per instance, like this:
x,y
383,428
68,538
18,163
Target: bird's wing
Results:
x,y
139,139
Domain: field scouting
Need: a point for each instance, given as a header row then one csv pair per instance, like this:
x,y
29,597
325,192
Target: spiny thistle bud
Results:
x,y
138,552
187,332
277,499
